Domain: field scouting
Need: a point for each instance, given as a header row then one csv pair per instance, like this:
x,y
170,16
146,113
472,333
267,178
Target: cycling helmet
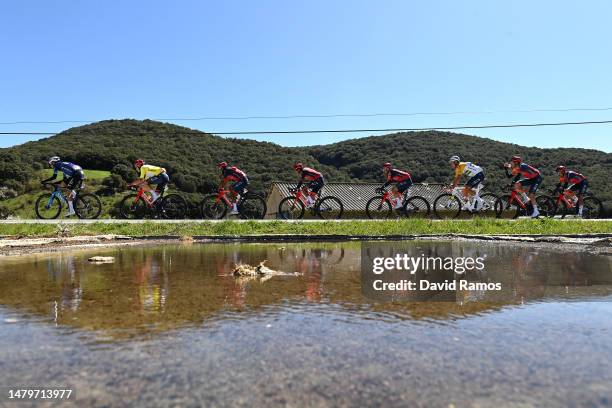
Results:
x,y
455,159
387,165
222,165
298,166
139,163
560,168
53,160
516,159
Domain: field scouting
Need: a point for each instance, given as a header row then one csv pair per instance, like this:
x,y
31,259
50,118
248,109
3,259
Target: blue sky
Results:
x,y
81,60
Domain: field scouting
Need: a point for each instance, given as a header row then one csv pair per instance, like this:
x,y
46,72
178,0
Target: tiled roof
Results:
x,y
354,196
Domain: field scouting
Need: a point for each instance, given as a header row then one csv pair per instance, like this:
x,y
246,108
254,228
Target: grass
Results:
x,y
306,229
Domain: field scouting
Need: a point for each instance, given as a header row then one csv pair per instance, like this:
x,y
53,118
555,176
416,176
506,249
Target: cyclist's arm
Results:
x,y
509,174
455,181
53,177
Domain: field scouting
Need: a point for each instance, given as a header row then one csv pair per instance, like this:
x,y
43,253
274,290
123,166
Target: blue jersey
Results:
x,y
69,169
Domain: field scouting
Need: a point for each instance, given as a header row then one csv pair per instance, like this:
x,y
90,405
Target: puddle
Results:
x,y
171,325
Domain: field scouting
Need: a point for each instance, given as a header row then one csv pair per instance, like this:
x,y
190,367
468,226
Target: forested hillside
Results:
x,y
190,157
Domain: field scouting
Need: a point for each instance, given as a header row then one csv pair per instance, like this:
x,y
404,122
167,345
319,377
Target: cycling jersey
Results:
x,y
67,168
467,168
233,174
147,171
526,171
572,177
397,176
309,174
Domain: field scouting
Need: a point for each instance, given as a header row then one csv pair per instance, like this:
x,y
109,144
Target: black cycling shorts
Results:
x,y
580,188
533,183
404,185
316,185
75,181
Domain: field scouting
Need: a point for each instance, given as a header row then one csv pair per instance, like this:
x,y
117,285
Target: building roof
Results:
x,y
354,196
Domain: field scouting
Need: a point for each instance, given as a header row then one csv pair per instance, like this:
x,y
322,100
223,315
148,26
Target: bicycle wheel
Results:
x,y
291,208
593,208
506,210
546,206
252,207
447,206
87,206
173,207
488,205
377,209
211,208
47,207
132,209
416,207
329,208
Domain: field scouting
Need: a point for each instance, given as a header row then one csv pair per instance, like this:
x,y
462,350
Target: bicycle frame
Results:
x,y
514,197
458,192
566,197
140,195
222,196
57,192
299,195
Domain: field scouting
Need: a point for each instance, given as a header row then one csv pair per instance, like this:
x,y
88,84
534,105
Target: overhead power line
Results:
x,y
340,115
264,132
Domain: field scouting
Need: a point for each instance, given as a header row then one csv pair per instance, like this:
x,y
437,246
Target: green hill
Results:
x,y
190,157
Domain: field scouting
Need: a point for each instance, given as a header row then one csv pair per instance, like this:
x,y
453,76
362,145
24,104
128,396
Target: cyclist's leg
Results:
x,y
164,179
398,191
315,188
580,190
469,190
533,188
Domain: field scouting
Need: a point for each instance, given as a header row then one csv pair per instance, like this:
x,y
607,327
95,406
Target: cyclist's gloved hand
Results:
x,y
380,190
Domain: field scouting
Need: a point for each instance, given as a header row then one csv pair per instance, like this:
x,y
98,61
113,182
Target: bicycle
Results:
x,y
294,206
449,205
139,205
250,206
48,206
512,206
567,200
381,207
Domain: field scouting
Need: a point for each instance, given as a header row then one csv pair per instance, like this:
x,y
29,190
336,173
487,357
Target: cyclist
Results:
x,y
150,176
315,182
524,175
403,181
572,181
476,176
240,182
73,179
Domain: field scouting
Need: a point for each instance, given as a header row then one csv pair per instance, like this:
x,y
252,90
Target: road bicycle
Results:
x,y
381,206
141,205
566,201
514,205
449,205
250,206
49,205
294,207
